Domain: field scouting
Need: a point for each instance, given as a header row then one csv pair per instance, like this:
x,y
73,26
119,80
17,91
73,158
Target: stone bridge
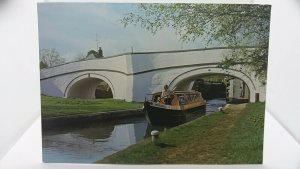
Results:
x,y
131,76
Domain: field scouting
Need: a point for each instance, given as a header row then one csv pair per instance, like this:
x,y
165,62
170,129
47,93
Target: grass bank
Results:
x,y
57,107
233,137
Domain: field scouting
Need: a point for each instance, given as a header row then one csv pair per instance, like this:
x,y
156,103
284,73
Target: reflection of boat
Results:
x,y
173,110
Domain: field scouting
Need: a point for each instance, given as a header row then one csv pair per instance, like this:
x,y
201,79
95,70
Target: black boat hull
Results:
x,y
168,117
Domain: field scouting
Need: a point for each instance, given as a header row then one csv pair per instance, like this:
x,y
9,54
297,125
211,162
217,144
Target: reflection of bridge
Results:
x,y
133,75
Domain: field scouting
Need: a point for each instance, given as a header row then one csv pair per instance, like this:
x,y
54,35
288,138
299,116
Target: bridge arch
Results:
x,y
85,85
203,71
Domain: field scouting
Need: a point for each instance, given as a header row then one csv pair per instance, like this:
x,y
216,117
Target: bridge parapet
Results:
x,y
157,60
132,63
115,64
133,75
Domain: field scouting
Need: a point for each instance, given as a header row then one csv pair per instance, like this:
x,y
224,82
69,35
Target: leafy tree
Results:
x,y
96,54
50,57
245,28
92,52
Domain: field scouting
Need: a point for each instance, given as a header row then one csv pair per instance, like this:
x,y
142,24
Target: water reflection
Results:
x,y
92,142
87,144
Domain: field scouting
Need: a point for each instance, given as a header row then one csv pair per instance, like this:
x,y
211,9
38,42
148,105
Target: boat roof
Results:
x,y
179,92
183,92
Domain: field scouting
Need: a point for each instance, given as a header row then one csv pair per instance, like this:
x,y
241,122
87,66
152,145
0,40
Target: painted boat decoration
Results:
x,y
175,109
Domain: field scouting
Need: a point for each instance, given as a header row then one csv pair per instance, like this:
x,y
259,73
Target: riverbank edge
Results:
x,y
145,143
147,140
90,117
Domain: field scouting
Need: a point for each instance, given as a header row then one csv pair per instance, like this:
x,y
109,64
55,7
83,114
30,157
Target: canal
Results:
x,y
92,142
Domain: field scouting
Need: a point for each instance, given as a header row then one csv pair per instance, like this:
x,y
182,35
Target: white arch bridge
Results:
x,y
131,76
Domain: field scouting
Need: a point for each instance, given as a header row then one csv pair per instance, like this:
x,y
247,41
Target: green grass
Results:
x,y
233,137
245,143
54,106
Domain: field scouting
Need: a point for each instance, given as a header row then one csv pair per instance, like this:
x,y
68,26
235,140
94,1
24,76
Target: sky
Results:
x,y
72,28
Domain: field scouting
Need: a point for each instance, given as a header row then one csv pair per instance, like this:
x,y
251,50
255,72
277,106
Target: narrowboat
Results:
x,y
177,108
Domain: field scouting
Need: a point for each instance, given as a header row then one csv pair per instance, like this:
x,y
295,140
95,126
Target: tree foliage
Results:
x,y
43,65
50,57
243,27
94,53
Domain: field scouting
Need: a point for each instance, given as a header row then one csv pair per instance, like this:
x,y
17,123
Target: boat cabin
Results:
x,y
175,108
177,98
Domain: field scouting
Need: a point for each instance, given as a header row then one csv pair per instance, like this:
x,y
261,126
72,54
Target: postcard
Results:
x,y
154,83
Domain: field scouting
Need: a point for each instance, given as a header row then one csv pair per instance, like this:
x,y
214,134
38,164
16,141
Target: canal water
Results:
x,y
92,142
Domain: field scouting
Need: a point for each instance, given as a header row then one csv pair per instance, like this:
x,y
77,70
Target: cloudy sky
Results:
x,y
71,29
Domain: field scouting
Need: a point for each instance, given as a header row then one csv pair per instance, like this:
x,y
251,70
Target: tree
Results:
x,y
245,28
95,54
43,65
92,54
50,57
